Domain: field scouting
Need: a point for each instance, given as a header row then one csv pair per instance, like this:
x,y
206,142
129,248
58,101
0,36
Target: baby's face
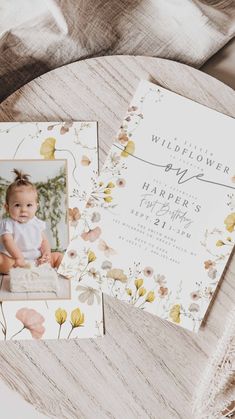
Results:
x,y
22,205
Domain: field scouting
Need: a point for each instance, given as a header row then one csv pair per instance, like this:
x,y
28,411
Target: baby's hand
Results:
x,y
45,258
19,262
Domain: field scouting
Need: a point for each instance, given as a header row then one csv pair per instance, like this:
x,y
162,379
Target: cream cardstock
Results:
x,y
161,217
37,149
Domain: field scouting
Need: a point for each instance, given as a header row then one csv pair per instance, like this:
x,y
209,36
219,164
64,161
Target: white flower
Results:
x,y
160,279
88,295
95,218
93,273
106,265
115,158
194,307
212,273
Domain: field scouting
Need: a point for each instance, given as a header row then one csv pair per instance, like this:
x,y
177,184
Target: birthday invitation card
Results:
x,y
46,172
160,220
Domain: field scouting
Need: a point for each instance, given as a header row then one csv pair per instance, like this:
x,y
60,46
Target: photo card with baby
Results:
x,y
46,174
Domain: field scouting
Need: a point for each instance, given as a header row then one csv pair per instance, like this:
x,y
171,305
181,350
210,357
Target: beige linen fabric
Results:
x,y
37,36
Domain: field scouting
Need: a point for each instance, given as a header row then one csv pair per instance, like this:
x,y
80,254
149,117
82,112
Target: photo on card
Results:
x,y
47,172
33,229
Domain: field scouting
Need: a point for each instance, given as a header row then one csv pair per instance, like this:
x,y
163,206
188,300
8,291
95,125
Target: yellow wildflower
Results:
x,y
91,256
129,292
47,149
150,297
77,318
129,149
107,191
230,222
110,185
175,313
101,183
60,316
142,291
138,283
219,243
229,239
108,199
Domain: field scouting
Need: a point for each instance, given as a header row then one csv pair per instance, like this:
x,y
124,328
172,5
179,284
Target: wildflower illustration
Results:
x,y
77,319
39,319
32,321
48,149
61,317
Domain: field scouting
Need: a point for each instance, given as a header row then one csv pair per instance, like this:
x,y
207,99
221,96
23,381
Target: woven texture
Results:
x,y
215,395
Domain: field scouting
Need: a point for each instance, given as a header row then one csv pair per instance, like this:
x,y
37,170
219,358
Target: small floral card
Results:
x,y
160,220
61,161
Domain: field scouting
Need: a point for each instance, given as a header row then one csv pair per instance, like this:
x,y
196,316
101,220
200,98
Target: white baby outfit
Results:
x,y
27,236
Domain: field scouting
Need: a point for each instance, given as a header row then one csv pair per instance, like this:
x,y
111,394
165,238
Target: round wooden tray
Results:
x,y
143,367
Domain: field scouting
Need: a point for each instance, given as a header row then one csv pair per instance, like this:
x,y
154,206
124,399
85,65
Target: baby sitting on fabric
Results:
x,y
22,234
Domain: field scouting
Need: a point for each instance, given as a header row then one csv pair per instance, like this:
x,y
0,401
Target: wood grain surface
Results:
x,y
143,367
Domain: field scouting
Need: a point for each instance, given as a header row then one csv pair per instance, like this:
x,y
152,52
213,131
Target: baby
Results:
x,y
22,235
